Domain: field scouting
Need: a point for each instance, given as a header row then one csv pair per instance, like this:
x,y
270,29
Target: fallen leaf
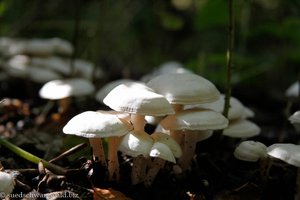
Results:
x,y
103,194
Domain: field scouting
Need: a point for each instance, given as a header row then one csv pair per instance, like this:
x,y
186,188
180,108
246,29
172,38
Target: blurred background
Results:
x,y
128,39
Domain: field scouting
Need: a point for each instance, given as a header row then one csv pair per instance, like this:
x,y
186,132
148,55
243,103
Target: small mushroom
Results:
x,y
169,67
289,153
184,89
104,90
196,125
250,151
241,129
237,109
95,126
64,89
165,148
7,184
138,100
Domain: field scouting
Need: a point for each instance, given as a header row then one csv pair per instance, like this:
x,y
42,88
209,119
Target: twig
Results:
x,y
69,152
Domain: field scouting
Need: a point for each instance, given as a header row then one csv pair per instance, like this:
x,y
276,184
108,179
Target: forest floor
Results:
x,y
214,174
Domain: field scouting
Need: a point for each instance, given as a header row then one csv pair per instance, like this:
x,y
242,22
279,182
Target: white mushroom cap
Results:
x,y
289,153
21,66
248,113
295,118
59,89
162,151
86,69
250,151
135,144
92,124
236,110
62,46
42,75
104,90
54,63
170,67
241,129
201,135
139,99
169,141
17,66
39,47
293,90
194,119
185,88
7,183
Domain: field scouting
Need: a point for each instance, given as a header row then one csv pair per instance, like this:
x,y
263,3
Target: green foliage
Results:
x,y
136,36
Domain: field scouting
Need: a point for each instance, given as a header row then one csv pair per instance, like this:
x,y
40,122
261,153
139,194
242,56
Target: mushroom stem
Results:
x,y
177,107
178,136
156,165
137,173
113,162
138,122
190,141
64,104
98,151
188,150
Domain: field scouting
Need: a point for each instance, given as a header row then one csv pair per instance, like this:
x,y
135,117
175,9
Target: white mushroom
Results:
x,y
7,184
237,109
165,148
196,125
184,89
138,100
97,125
250,151
241,129
289,153
104,90
64,89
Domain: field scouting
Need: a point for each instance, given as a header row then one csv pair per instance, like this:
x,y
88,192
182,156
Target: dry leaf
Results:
x,y
103,194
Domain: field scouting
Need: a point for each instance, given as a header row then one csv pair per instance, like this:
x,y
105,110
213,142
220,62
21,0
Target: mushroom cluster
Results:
x,y
185,108
43,60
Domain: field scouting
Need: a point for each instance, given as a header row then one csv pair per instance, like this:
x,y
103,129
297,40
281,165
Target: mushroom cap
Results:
x,y
169,141
7,183
17,66
36,46
54,63
162,151
185,88
170,67
248,113
293,90
62,46
136,98
295,118
104,90
42,75
236,110
289,153
195,119
59,89
250,151
91,124
136,143
241,129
